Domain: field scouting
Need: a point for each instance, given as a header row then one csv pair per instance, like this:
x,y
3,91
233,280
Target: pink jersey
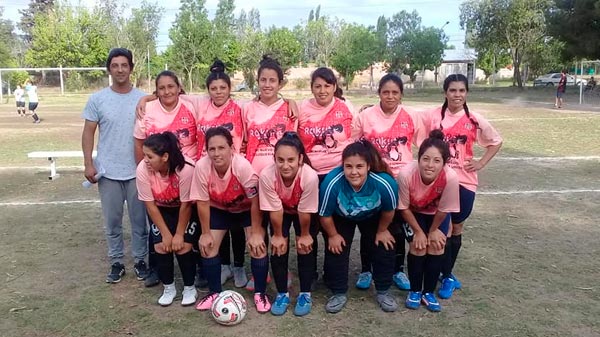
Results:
x,y
325,132
229,116
264,126
169,191
301,196
181,121
461,134
231,193
441,195
393,135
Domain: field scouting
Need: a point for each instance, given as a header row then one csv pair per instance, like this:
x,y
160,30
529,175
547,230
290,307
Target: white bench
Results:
x,y
53,155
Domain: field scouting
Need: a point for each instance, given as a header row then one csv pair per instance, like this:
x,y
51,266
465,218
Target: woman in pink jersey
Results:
x,y
393,130
168,113
164,179
289,193
226,189
462,130
266,119
428,194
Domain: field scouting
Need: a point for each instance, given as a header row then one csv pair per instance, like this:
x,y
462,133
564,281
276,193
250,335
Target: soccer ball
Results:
x,y
229,308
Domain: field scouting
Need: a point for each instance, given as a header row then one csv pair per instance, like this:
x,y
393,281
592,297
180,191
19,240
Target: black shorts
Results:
x,y
21,104
171,217
223,220
33,106
425,221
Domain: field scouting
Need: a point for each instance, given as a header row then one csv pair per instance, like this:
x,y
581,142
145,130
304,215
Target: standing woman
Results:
x,y
164,179
428,194
359,193
226,189
289,193
393,130
20,100
462,129
32,95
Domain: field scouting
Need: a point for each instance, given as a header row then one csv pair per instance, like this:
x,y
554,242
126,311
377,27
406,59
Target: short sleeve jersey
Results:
x,y
301,196
229,116
393,135
232,192
440,195
461,134
336,196
168,191
115,115
19,95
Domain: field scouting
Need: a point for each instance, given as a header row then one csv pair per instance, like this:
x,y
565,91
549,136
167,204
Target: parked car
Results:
x,y
241,87
552,79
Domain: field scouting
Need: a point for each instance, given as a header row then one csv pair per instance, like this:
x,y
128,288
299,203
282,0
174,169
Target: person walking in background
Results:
x,y
560,89
32,95
20,100
112,112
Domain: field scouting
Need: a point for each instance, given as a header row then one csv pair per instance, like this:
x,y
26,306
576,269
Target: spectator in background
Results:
x,y
560,90
20,99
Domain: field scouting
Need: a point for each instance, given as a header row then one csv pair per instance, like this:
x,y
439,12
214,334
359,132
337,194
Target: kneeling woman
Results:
x,y
428,194
163,181
226,189
289,192
359,193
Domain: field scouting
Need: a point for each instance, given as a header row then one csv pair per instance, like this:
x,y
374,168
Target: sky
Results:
x,y
433,12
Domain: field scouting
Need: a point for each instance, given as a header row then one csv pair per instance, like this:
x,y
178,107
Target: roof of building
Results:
x,y
465,55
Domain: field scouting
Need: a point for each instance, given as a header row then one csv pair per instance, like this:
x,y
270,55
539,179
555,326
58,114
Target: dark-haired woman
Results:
x,y
226,189
163,181
393,129
462,129
428,194
359,193
289,193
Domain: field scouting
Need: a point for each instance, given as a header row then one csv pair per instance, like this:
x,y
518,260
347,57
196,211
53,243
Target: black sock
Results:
x,y
400,251
165,267
279,267
212,270
187,265
365,253
306,270
433,265
238,244
451,250
260,269
35,117
416,266
225,249
152,262
199,269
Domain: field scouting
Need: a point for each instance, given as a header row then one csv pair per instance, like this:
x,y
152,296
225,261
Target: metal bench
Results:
x,y
53,155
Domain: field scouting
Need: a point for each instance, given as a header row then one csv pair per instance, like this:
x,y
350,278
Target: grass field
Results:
x,y
529,262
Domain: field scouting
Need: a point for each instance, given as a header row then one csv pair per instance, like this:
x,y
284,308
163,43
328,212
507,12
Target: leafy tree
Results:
x,y
510,24
252,44
545,56
354,51
577,24
227,47
283,46
28,16
490,61
7,38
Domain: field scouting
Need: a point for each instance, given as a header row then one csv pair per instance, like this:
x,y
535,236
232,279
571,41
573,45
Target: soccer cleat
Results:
x,y
447,288
364,280
152,278
303,304
401,281
250,284
457,283
413,300
262,303
189,295
431,303
279,307
117,270
239,277
141,270
387,302
226,273
206,302
168,295
336,303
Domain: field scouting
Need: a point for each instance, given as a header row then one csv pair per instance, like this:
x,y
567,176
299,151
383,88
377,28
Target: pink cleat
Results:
x,y
206,302
262,303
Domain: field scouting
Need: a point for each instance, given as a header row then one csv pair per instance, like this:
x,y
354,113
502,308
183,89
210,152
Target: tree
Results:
x,y
284,47
490,61
227,48
399,29
7,39
510,24
545,56
252,45
28,16
191,38
577,24
353,51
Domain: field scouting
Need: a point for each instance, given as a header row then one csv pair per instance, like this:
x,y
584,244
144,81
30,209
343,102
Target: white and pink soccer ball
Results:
x,y
229,308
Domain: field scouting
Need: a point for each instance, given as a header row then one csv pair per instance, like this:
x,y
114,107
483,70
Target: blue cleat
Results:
x,y
401,281
280,305
431,303
364,280
413,300
303,305
447,288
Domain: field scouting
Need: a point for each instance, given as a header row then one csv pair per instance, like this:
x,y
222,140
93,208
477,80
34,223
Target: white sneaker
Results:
x,y
239,277
168,295
189,295
226,273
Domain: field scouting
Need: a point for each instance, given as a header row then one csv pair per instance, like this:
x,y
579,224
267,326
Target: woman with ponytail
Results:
x,y
428,194
164,180
462,129
360,193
